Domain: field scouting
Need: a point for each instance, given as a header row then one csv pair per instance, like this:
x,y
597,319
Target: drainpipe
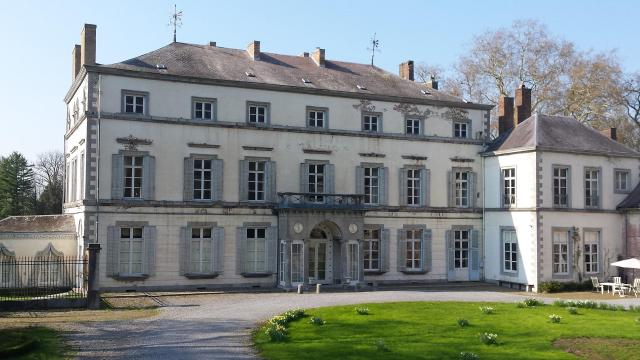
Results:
x,y
484,199
98,157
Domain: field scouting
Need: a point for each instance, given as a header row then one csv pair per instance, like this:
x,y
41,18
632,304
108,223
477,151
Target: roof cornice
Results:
x,y
274,87
76,84
556,150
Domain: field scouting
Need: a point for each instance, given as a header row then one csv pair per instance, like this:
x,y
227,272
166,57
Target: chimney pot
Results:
x,y
611,133
522,104
318,57
406,70
305,54
88,45
506,120
254,50
212,43
75,61
433,83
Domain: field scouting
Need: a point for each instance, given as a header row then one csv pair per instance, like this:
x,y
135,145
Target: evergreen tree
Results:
x,y
17,186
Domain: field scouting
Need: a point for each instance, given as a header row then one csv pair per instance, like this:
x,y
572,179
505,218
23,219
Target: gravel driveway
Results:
x,y
218,326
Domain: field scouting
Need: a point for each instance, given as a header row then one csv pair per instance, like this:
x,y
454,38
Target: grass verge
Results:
x,y
31,343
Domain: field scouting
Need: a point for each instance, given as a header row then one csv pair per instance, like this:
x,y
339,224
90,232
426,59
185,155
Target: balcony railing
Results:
x,y
290,200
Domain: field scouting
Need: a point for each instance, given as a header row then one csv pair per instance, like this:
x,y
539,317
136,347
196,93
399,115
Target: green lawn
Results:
x,y
30,343
429,330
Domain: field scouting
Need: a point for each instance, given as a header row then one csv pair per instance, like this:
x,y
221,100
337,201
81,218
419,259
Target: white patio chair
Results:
x,y
635,287
618,286
596,284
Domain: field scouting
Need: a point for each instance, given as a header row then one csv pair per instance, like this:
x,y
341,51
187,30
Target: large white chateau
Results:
x,y
198,166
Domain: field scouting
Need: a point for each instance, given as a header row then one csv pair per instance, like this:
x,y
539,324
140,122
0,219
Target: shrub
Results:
x,y
463,322
278,320
362,311
555,318
532,302
276,332
468,356
487,310
381,346
520,305
555,286
489,339
549,286
572,310
317,321
294,314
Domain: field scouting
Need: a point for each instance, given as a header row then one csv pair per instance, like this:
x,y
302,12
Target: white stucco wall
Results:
x,y
524,163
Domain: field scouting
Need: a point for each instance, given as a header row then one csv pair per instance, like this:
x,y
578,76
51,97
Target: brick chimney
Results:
x,y
522,104
88,45
75,61
611,133
406,70
253,49
318,57
433,83
506,120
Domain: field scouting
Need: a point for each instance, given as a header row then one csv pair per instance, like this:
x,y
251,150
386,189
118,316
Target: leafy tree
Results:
x,y
17,186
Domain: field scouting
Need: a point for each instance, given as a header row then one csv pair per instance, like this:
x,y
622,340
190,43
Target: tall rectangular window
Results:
x,y
591,188
414,249
203,109
316,181
74,179
134,103
371,249
200,251
460,130
133,176
622,181
316,118
297,261
371,123
371,185
461,188
461,249
67,190
560,252
413,186
131,251
412,127
561,186
509,187
81,175
352,260
591,250
256,250
258,113
510,250
256,178
202,179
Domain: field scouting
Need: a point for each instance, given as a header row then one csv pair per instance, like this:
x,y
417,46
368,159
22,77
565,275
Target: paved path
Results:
x,y
218,326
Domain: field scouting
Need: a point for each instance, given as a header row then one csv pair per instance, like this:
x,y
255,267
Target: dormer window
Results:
x,y
134,102
250,74
361,87
425,92
306,81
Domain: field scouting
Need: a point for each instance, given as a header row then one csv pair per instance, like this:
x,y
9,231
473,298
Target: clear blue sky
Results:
x,y
37,38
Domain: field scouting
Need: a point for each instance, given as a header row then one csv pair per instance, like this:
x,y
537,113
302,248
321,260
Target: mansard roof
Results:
x,y
38,223
560,134
233,66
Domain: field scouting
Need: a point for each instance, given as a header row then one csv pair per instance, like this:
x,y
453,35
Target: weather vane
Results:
x,y
176,20
374,47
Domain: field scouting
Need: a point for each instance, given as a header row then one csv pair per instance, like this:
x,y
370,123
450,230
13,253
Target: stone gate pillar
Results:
x,y
93,288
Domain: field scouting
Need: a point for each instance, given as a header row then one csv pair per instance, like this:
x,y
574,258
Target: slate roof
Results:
x,y
38,223
218,63
632,201
558,133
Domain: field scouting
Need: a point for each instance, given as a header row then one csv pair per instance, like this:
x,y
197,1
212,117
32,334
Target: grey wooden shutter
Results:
x,y
474,268
149,236
359,180
183,253
243,181
117,176
426,250
187,185
424,187
384,250
329,175
148,177
403,187
304,178
271,181
383,185
450,192
113,250
217,167
473,185
568,188
272,249
217,248
241,250
450,253
401,250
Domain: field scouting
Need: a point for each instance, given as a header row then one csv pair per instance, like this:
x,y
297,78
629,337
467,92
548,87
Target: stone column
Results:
x,y
361,260
93,288
343,260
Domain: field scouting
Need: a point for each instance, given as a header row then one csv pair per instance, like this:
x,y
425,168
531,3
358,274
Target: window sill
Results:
x,y
374,272
130,277
201,276
413,272
256,275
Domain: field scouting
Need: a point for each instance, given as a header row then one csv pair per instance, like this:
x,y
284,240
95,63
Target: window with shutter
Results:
x,y
371,245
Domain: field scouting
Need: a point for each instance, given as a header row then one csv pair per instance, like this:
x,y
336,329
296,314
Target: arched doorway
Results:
x,y
320,256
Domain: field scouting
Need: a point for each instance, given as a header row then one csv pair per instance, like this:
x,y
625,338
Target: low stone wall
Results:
x,y
42,304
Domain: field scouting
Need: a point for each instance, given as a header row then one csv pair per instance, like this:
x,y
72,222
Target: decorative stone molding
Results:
x,y
203,145
414,157
257,148
317,151
375,155
131,142
461,159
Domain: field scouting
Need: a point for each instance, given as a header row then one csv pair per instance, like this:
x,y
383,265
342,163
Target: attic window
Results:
x,y
250,74
425,92
306,81
362,87
161,66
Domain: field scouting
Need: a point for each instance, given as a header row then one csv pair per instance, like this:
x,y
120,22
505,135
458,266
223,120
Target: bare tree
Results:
x,y
631,97
49,168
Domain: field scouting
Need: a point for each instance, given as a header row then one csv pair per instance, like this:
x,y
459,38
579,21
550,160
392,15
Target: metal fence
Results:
x,y
42,278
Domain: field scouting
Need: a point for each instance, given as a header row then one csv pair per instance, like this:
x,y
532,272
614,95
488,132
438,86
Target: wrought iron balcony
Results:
x,y
290,200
